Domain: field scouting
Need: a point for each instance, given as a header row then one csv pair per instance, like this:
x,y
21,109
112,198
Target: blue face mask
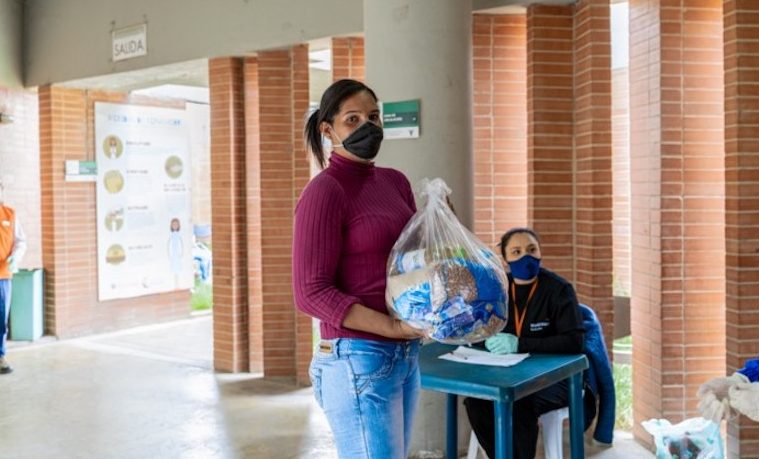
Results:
x,y
525,268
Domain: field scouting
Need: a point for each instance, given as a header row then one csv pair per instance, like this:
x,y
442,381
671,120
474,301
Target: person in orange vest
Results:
x,y
12,249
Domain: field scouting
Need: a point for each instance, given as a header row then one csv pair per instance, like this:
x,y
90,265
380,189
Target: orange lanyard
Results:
x,y
519,319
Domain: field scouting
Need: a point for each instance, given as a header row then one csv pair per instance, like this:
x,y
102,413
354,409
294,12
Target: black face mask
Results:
x,y
364,142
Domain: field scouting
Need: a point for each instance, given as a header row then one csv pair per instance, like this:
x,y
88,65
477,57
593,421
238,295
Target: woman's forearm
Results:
x,y
361,318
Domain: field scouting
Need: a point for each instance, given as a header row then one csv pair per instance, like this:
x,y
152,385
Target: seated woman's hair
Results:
x,y
507,236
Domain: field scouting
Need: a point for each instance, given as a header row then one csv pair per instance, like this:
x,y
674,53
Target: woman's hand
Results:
x,y
502,343
406,331
360,317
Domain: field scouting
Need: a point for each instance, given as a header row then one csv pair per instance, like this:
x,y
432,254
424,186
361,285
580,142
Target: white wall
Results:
x,y
71,39
11,20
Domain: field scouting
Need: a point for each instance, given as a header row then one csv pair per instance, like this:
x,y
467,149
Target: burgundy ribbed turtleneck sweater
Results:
x,y
346,222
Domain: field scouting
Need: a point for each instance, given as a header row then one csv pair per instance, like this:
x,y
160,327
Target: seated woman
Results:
x,y
544,318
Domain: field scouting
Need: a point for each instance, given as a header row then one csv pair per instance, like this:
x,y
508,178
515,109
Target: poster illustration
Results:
x,y
143,200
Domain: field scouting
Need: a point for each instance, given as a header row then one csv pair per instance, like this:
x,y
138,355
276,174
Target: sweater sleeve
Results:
x,y
408,193
570,333
317,242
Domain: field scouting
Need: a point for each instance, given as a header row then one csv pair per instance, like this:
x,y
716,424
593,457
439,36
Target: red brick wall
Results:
x,y
741,30
283,98
550,133
593,160
645,176
676,89
348,58
20,166
500,124
230,239
620,125
267,98
304,325
253,217
69,249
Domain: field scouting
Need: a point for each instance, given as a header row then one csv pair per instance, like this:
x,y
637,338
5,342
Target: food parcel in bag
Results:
x,y
694,438
442,279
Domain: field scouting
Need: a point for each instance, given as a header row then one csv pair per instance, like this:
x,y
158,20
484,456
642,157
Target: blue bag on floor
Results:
x,y
694,438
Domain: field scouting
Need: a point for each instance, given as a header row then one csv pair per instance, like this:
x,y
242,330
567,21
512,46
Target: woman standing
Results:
x,y
364,373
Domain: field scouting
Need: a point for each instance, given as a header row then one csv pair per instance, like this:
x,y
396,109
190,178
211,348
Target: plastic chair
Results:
x,y
552,424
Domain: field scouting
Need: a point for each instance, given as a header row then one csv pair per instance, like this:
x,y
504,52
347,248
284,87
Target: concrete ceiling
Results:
x,y
195,72
190,73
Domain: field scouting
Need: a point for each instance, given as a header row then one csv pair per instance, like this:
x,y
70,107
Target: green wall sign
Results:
x,y
400,120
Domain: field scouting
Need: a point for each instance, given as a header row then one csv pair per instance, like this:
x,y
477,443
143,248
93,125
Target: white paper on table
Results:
x,y
466,354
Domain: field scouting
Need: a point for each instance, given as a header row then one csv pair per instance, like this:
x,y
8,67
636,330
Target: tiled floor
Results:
x,y
150,393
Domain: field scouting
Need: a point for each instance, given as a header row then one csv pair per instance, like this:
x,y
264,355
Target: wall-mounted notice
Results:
x,y
400,120
129,42
143,200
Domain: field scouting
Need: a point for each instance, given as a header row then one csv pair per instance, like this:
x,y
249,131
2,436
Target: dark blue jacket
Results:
x,y
599,376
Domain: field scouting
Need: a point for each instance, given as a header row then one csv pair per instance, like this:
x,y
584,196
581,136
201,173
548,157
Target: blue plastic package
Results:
x,y
751,370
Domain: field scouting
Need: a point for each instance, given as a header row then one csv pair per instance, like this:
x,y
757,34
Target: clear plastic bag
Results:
x,y
694,438
442,279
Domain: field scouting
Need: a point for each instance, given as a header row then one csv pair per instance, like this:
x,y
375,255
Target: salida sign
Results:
x,y
130,42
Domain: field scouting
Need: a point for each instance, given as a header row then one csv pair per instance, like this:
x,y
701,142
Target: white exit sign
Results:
x,y
130,42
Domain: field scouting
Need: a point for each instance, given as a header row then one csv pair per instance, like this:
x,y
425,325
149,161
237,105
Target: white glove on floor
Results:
x,y
744,397
714,401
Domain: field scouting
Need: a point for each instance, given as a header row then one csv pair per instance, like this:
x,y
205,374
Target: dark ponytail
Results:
x,y
313,137
329,107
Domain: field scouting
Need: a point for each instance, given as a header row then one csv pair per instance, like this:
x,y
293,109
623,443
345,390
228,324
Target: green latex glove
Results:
x,y
502,343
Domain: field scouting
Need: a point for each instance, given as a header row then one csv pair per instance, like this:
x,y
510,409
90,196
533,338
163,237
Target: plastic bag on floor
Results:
x,y
694,438
441,278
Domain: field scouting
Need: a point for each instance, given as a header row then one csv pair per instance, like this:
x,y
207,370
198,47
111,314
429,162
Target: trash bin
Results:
x,y
26,317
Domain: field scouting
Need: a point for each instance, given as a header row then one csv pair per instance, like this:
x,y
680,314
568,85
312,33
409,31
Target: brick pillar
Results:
x,y
620,122
741,49
304,325
253,217
677,173
348,58
60,141
276,90
228,187
500,124
550,131
593,159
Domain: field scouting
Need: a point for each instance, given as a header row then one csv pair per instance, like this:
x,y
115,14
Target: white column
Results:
x,y
421,49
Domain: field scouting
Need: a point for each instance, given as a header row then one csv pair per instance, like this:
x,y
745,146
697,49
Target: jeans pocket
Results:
x,y
315,375
369,367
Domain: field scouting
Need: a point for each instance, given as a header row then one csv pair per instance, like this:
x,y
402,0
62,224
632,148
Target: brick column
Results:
x,y
304,325
620,122
253,216
550,131
276,90
677,173
741,49
500,124
593,159
348,58
228,183
56,145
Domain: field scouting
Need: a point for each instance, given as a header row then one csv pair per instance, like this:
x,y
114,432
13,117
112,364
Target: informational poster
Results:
x,y
143,200
400,120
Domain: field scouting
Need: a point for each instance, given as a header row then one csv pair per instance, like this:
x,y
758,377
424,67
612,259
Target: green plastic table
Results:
x,y
503,385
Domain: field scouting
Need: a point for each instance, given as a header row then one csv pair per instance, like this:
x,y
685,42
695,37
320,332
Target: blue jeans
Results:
x,y
5,308
369,392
